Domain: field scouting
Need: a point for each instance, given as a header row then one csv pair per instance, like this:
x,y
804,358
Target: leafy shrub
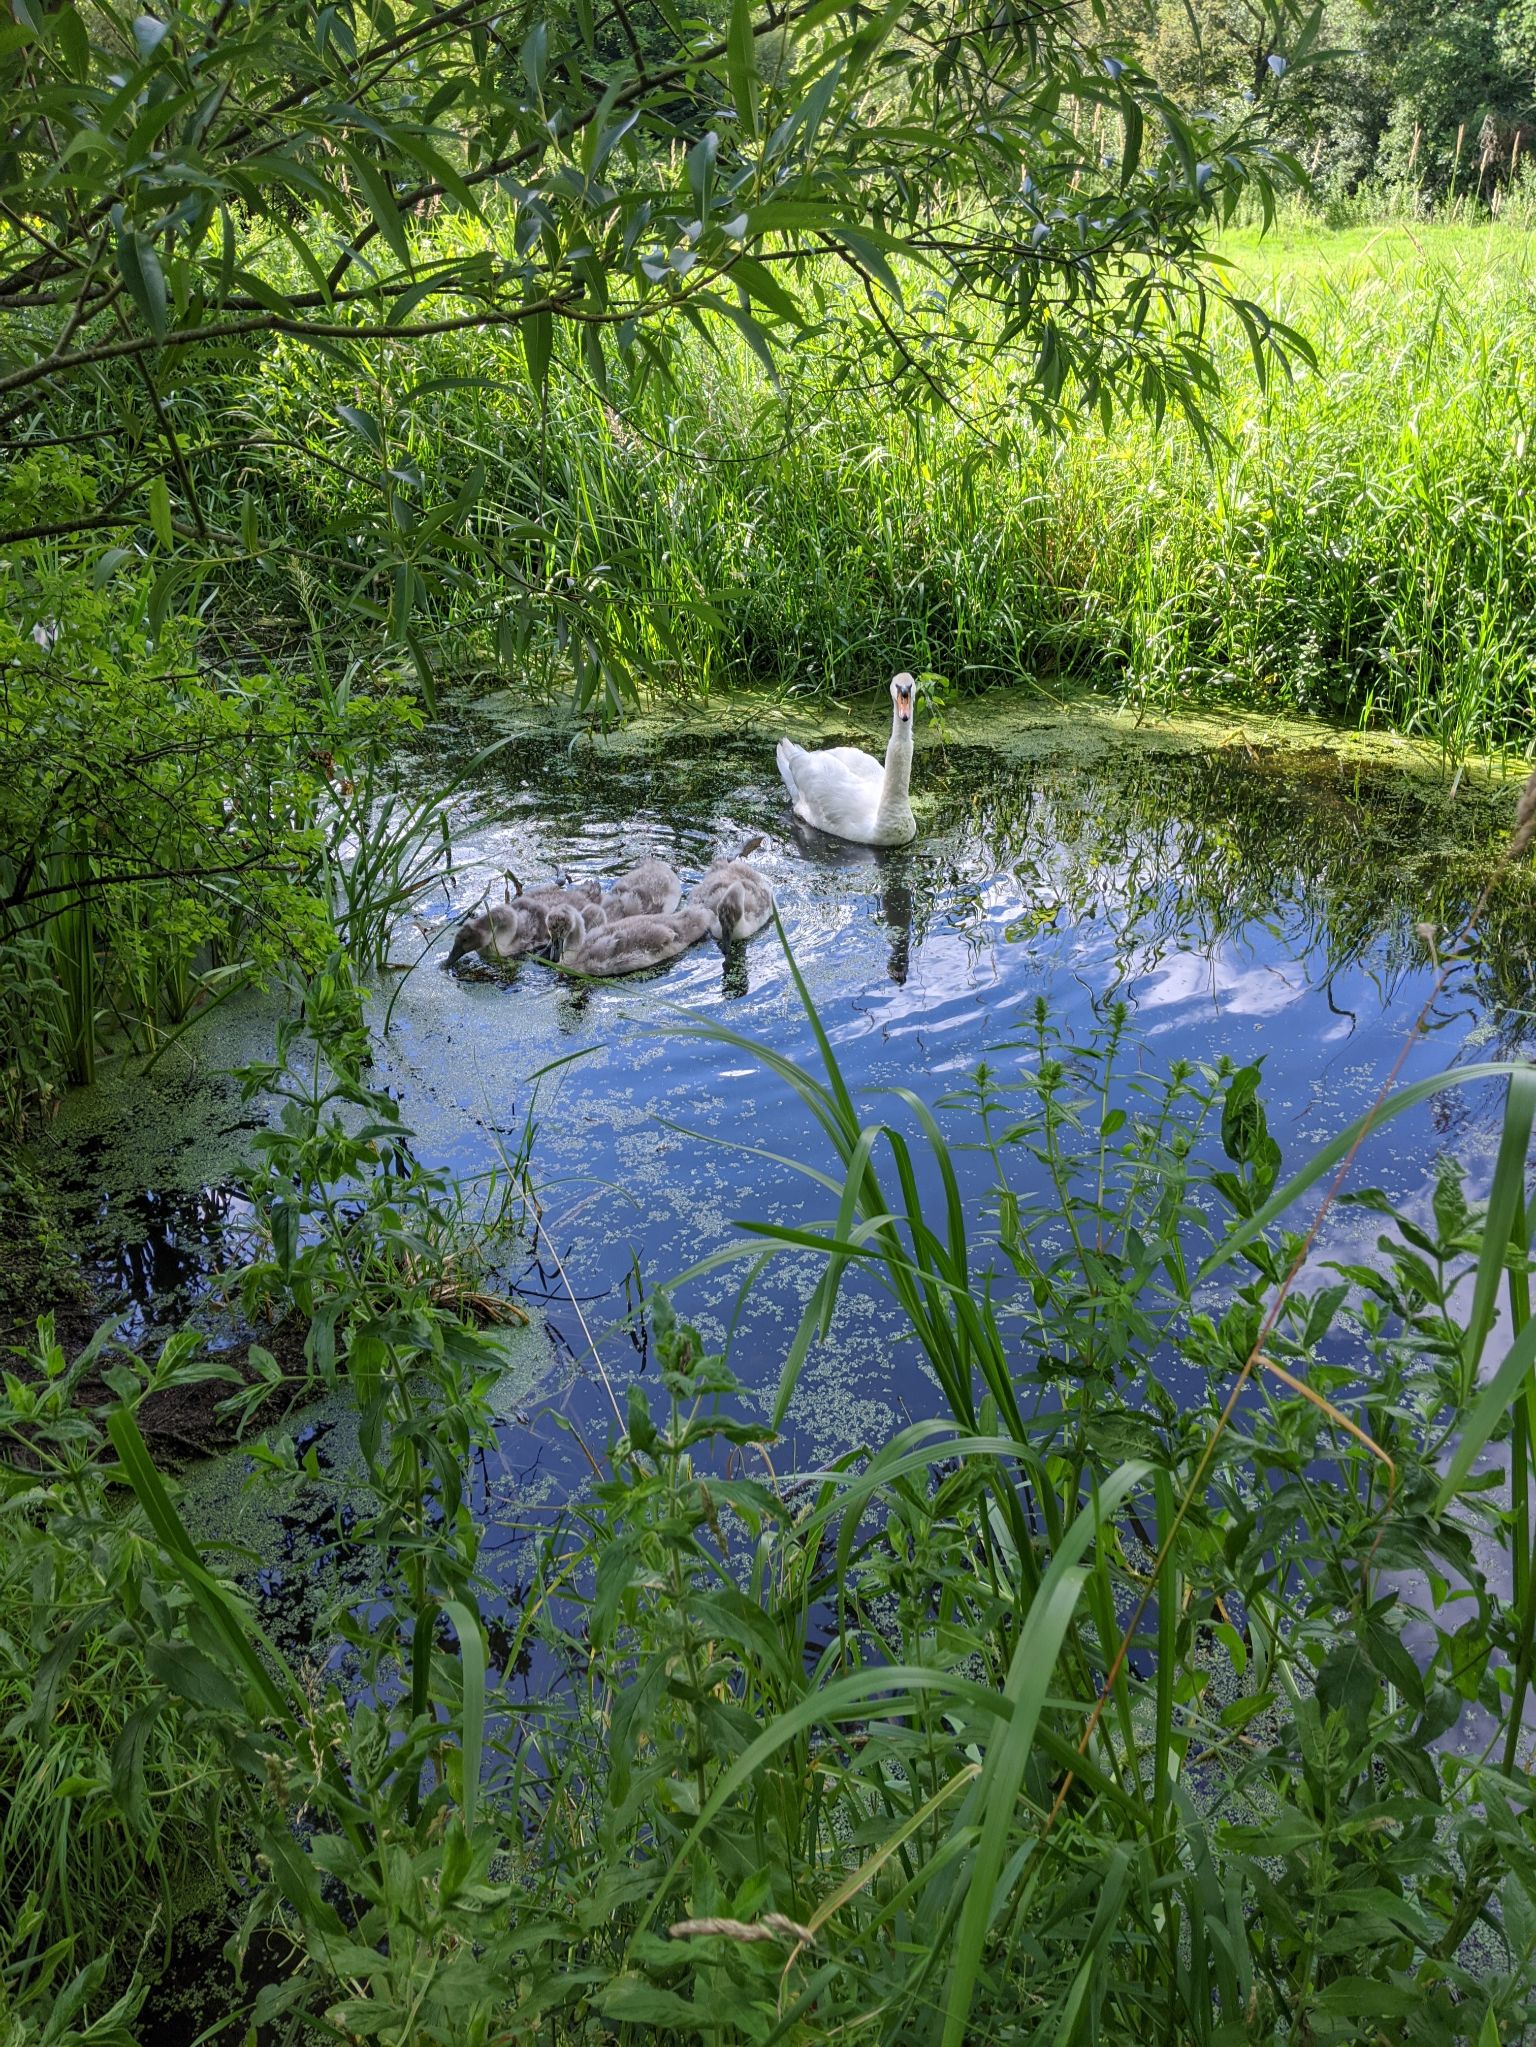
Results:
x,y
161,823
119,1802
1151,1690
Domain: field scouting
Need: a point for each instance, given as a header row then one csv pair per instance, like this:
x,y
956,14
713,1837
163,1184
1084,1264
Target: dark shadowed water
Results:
x,y
1246,898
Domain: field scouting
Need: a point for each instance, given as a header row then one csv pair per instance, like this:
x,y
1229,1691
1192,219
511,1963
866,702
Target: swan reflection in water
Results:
x,y
889,868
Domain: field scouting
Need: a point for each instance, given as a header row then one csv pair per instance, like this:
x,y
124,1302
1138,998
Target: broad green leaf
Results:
x,y
632,2000
466,1625
701,169
363,424
758,280
141,273
74,44
538,333
187,1672
867,253
741,65
535,56
381,204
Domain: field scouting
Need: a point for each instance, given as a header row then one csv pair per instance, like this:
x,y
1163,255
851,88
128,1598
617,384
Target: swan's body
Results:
x,y
650,890
506,930
628,944
739,897
850,794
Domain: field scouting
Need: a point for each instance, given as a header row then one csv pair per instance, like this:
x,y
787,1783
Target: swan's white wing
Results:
x,y
831,778
853,760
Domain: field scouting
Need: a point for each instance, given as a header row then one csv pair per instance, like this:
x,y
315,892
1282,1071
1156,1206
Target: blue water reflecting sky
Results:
x,y
1262,908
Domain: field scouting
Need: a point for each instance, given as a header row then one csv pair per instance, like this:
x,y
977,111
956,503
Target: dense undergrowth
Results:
x,y
1355,543
1173,1686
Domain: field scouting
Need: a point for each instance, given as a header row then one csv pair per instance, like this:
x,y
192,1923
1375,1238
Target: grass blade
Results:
x,y
1029,1676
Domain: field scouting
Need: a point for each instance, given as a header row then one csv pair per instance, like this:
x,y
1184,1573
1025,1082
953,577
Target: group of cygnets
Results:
x,y
641,922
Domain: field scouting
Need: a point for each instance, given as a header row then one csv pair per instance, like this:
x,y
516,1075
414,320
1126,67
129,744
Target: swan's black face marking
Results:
x,y
904,696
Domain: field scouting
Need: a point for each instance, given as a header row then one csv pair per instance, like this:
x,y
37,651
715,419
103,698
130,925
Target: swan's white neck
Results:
x,y
895,806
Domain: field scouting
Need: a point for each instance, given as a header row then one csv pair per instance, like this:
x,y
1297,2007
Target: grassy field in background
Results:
x,y
1358,543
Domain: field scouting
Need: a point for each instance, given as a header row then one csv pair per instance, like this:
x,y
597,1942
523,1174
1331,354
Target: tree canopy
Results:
x,y
1427,93
213,171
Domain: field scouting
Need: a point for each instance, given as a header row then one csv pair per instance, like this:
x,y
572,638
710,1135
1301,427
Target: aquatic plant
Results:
x,y
385,847
359,1234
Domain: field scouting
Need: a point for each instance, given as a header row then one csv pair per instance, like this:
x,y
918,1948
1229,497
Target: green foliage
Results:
x,y
1359,547
160,819
186,199
366,1244
1093,1705
123,1743
1422,96
801,131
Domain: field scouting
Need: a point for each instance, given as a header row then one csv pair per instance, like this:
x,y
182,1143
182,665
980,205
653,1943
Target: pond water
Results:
x,y
1241,893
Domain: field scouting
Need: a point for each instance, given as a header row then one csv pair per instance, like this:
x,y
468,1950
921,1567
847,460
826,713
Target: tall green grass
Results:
x,y
1357,543
1171,1686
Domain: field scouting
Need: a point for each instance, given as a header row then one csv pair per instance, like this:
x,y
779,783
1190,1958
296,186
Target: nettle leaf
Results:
x,y
160,512
128,1781
187,1672
1347,1684
632,2000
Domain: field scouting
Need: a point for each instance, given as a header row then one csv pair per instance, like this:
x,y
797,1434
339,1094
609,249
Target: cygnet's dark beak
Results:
x,y
466,940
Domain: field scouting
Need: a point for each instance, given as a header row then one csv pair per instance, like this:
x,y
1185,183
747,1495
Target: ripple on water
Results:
x,y
1254,904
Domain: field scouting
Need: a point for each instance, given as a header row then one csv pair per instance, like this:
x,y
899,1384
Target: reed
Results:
x,y
1355,543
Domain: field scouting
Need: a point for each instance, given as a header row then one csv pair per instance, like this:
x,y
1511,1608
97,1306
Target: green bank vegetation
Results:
x,y
1171,1685
348,356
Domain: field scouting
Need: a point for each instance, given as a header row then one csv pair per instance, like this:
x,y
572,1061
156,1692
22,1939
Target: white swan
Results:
x,y
650,890
626,945
506,930
738,895
846,792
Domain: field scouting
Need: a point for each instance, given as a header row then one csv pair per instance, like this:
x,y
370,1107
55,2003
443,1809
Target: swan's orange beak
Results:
x,y
904,706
